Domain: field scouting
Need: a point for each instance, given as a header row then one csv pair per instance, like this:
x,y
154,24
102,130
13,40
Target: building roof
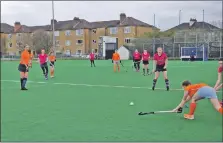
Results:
x,y
77,23
6,28
201,25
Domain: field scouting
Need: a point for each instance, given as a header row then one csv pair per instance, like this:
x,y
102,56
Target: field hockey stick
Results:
x,y
124,67
158,112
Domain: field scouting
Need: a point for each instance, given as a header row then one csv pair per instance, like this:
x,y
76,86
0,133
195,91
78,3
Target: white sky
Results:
x,y
33,13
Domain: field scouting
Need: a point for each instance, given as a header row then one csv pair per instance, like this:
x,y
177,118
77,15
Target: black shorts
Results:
x,y
52,64
160,68
145,62
22,68
136,61
43,65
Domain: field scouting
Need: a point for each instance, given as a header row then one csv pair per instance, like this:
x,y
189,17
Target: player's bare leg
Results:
x,y
216,105
157,74
166,80
51,71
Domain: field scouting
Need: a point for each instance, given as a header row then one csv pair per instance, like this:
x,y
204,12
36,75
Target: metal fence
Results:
x,y
212,40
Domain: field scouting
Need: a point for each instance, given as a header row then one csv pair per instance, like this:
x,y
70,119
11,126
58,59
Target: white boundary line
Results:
x,y
91,85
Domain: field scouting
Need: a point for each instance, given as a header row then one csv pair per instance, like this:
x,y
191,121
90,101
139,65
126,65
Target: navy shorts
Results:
x,y
52,64
145,62
160,68
22,68
207,92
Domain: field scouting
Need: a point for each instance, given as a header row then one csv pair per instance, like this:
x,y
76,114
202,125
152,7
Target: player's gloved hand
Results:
x,y
180,110
112,61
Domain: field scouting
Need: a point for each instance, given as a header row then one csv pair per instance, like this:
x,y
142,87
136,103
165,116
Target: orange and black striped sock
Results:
x,y
192,108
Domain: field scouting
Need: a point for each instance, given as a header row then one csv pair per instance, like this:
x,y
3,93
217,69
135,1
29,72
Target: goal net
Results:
x,y
200,53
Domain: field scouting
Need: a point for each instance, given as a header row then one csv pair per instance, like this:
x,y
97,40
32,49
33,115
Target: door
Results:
x,y
109,50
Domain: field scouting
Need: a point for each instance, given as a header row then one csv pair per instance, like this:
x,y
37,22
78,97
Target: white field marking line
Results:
x,y
7,88
91,85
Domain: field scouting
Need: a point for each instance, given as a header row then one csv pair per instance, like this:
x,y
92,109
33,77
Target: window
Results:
x,y
94,31
57,43
113,30
10,45
78,52
127,40
67,43
67,33
79,42
56,33
127,30
10,36
79,32
18,35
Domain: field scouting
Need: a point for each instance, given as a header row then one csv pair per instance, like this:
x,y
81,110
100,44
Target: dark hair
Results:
x,y
29,51
221,59
186,83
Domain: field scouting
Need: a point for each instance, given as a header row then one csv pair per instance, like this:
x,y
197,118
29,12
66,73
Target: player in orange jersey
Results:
x,y
52,59
116,60
24,67
196,92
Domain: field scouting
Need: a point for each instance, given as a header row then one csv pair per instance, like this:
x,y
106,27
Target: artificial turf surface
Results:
x,y
92,104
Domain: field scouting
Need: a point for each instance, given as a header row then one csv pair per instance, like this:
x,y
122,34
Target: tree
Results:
x,y
23,39
159,34
42,40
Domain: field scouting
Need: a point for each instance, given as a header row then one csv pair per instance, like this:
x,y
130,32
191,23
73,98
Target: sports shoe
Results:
x,y
23,88
167,88
189,117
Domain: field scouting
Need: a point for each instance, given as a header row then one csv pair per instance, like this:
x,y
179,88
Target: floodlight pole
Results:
x,y
153,33
53,27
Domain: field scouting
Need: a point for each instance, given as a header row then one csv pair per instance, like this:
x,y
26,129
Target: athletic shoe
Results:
x,y
24,88
167,88
189,117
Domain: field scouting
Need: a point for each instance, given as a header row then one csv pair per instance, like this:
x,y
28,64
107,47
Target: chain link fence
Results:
x,y
212,40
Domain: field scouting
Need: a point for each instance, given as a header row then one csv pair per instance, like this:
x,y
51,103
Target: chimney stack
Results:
x,y
55,21
17,26
122,17
76,18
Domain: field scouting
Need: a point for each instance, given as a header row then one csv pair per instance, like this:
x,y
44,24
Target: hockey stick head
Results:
x,y
145,113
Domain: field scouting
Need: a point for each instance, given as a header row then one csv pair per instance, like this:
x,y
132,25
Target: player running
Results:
x,y
145,61
196,92
136,60
43,59
220,69
160,61
24,67
52,59
116,61
91,57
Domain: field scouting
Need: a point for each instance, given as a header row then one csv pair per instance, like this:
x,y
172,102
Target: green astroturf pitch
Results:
x,y
92,104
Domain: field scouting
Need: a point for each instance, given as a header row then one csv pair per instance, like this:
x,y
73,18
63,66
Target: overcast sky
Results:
x,y
33,13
